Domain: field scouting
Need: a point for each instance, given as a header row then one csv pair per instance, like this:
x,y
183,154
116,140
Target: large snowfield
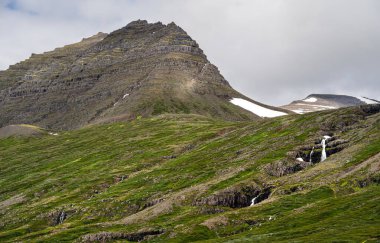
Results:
x,y
258,110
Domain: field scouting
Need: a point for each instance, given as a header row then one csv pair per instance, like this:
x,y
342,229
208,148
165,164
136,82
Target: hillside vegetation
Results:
x,y
182,178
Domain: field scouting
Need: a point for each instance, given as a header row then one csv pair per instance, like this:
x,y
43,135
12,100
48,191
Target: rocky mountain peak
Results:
x,y
138,26
144,37
138,22
318,102
144,27
142,69
95,38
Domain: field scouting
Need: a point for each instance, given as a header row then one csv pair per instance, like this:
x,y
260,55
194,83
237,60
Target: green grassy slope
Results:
x,y
145,175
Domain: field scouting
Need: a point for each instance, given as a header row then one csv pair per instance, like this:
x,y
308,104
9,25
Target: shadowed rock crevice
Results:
x,y
151,203
235,197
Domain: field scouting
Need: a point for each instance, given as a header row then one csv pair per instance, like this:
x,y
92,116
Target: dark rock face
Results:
x,y
139,70
285,167
152,202
312,153
120,178
57,217
372,179
235,197
111,236
264,194
344,122
370,109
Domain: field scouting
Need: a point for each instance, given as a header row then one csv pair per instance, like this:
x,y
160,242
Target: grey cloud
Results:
x,y
273,51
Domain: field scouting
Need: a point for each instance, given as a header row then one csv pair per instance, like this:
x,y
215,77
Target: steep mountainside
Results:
x,y
183,178
319,102
139,70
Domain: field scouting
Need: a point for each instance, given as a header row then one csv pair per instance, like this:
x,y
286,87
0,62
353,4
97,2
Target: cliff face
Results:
x,y
141,69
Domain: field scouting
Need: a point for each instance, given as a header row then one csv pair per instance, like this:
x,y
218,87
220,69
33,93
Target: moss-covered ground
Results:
x,y
106,178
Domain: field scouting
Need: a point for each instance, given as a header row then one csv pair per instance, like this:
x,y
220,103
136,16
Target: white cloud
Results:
x,y
273,51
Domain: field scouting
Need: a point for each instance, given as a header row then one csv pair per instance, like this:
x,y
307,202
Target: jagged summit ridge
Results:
x,y
141,39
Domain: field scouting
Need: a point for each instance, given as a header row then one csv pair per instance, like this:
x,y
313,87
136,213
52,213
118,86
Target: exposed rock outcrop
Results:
x,y
306,155
235,197
57,217
285,167
111,236
312,152
22,130
152,202
344,122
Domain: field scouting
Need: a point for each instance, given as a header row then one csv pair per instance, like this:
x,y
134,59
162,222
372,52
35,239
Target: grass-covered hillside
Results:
x,y
183,178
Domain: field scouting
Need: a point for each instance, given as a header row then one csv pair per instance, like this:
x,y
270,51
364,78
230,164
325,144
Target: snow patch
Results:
x,y
323,106
256,109
311,99
299,159
125,96
53,133
366,100
299,111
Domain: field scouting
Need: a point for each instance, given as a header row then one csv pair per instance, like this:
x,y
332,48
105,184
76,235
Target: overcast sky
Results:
x,y
273,51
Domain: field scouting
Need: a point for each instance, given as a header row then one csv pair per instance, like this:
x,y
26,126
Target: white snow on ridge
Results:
x,y
318,106
323,106
299,111
311,99
256,109
125,96
367,101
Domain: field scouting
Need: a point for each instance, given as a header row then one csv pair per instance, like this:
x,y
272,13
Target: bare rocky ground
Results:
x,y
20,130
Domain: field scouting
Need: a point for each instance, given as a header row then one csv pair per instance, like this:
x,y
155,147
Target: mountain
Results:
x,y
134,136
140,70
186,178
319,102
